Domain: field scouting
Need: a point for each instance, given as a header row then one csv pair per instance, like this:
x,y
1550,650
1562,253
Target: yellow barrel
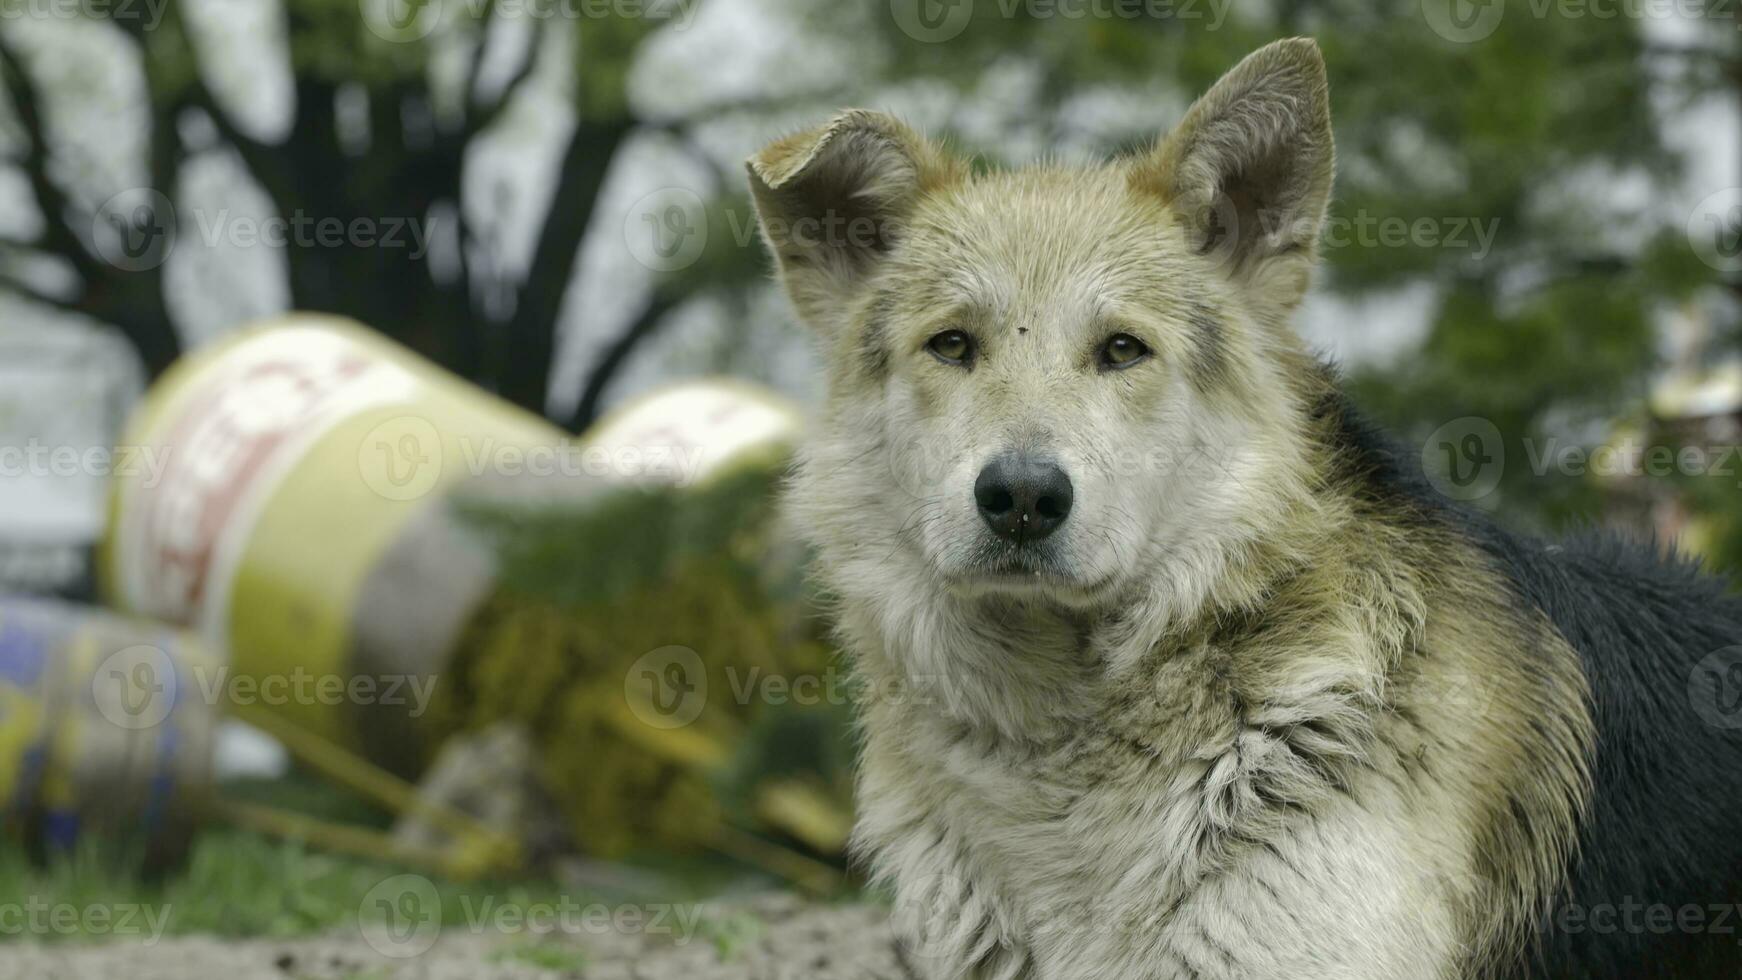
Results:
x,y
303,515
294,455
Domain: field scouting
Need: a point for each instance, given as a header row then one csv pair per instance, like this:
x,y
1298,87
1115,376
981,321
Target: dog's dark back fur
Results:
x,y
1664,827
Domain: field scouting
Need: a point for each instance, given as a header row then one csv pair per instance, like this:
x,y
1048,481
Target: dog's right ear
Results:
x,y
834,200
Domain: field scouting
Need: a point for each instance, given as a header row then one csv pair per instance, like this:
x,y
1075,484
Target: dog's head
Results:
x,y
1055,380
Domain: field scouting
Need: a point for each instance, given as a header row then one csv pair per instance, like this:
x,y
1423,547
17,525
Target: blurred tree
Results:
x,y
375,142
1482,164
1489,169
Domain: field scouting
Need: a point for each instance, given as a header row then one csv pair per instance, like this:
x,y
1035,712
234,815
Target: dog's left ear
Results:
x,y
1248,171
834,200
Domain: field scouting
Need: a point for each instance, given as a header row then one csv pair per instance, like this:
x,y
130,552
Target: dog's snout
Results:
x,y
1023,499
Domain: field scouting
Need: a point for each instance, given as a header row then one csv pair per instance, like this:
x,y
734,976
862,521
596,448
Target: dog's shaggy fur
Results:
x,y
1264,706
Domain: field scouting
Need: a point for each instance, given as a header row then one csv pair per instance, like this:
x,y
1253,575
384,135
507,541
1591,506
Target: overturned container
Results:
x,y
106,731
388,555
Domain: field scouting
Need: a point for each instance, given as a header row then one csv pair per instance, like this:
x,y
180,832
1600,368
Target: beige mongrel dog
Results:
x,y
1176,670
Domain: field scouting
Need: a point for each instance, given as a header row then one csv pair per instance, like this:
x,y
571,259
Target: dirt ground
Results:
x,y
773,938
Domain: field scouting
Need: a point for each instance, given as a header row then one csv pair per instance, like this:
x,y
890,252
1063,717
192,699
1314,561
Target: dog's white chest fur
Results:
x,y
1142,841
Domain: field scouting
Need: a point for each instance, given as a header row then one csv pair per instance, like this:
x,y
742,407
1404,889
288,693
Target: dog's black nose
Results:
x,y
1022,499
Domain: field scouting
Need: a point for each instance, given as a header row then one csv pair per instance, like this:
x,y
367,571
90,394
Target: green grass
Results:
x,y
545,956
241,884
234,884
732,934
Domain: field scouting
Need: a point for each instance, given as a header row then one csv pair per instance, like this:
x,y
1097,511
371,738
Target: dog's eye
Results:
x,y
1122,350
951,347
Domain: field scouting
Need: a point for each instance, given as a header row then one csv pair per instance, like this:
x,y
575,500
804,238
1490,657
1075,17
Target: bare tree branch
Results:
x,y
481,113
530,336
20,289
652,317
50,200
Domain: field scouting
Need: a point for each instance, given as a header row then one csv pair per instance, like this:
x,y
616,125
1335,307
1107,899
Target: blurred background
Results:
x,y
525,225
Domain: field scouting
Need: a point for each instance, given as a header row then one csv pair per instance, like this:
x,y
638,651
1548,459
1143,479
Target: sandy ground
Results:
x,y
774,938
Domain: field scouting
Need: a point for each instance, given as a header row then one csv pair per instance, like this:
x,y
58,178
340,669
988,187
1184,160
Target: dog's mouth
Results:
x,y
1028,569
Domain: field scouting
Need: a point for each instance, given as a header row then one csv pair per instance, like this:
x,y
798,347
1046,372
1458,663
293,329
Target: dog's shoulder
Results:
x,y
1659,640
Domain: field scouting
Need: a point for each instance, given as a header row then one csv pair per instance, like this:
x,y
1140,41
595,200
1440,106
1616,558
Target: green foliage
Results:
x,y
589,587
732,933
1548,326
